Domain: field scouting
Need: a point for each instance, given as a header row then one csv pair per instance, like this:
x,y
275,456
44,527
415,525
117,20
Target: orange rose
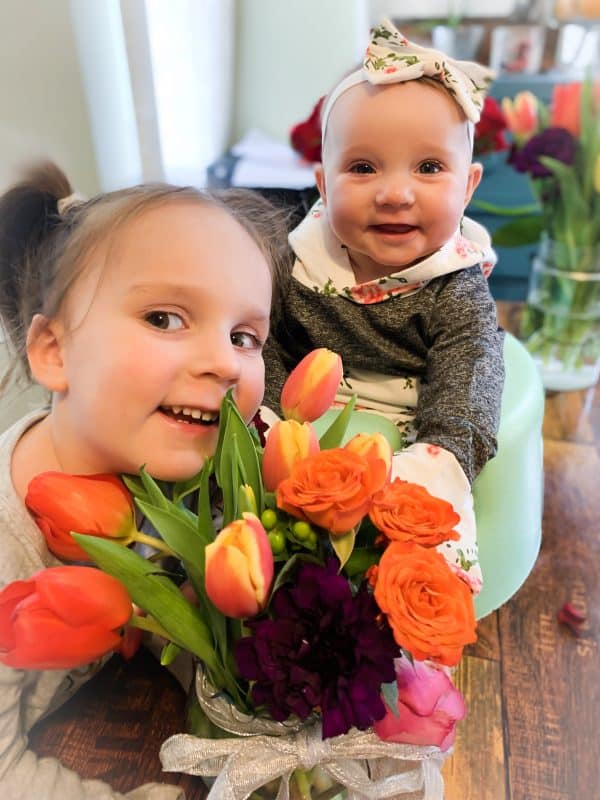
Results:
x,y
332,489
406,512
428,607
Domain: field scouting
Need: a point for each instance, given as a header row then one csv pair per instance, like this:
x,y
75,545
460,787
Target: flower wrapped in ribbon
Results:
x,y
323,619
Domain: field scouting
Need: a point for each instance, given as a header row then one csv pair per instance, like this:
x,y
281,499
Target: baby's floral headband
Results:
x,y
391,58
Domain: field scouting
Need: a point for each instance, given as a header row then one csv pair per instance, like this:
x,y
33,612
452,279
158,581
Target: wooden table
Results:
x,y
531,686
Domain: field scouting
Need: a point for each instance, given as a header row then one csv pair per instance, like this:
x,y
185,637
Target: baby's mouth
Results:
x,y
190,416
388,228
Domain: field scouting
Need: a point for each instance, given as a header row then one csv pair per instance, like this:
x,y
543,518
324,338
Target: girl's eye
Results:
x,y
430,167
164,320
245,340
362,168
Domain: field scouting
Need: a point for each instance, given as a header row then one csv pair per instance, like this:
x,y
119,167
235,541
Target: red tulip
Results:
x,y
312,385
305,137
566,107
429,707
98,505
288,442
61,617
239,568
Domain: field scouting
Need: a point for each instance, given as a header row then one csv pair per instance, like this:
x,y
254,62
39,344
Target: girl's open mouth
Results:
x,y
190,416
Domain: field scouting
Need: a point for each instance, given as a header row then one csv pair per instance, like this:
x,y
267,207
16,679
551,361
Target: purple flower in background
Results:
x,y
557,143
321,649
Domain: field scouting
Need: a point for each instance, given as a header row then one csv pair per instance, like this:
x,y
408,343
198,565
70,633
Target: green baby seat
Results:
x,y
508,492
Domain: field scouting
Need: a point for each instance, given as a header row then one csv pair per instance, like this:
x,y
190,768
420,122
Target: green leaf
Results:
x,y
334,434
343,545
390,696
169,653
206,527
182,489
156,594
521,231
154,493
361,559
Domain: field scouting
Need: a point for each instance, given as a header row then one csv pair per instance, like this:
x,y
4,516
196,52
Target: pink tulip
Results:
x,y
521,115
429,706
288,442
311,387
239,568
372,446
62,617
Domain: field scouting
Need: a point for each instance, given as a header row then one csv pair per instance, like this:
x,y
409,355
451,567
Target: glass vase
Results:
x,y
312,784
561,322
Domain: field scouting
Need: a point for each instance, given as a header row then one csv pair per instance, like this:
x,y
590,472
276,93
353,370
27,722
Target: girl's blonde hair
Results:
x,y
43,252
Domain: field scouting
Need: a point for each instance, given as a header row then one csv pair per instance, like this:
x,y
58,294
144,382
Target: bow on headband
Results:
x,y
390,58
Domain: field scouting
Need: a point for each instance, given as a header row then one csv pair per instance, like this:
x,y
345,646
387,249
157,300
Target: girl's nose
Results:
x,y
395,191
217,358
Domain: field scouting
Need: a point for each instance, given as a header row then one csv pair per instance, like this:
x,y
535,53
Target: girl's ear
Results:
x,y
44,353
320,181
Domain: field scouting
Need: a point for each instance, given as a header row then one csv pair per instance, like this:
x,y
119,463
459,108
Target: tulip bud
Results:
x,y
61,617
311,387
97,505
288,442
239,568
521,115
372,446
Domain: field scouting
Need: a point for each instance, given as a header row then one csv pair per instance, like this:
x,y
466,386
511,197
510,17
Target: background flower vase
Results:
x,y
561,322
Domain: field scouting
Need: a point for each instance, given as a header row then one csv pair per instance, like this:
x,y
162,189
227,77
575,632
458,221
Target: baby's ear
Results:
x,y
475,175
320,181
44,353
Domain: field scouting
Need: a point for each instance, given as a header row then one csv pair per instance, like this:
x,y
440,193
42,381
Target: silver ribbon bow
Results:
x,y
391,58
262,751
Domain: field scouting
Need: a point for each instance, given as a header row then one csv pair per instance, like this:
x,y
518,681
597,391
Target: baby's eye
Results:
x,y
362,168
430,167
164,320
245,340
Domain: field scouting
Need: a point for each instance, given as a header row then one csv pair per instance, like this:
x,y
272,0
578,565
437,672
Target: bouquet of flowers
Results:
x,y
322,618
558,148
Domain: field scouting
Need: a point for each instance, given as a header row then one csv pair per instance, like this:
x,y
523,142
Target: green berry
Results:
x,y
301,530
268,519
277,542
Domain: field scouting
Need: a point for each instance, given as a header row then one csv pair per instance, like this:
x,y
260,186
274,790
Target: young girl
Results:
x,y
134,311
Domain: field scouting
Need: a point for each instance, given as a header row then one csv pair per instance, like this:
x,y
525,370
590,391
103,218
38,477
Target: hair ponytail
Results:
x,y
28,220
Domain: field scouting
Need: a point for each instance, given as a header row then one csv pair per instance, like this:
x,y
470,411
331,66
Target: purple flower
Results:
x,y
557,143
322,648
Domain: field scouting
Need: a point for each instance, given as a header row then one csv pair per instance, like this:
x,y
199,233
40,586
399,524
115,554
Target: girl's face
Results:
x,y
152,340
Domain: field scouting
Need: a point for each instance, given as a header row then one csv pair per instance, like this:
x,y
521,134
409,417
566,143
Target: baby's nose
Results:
x,y
395,191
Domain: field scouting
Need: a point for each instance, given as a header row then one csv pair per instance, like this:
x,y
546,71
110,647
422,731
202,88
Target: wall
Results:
x,y
290,52
42,106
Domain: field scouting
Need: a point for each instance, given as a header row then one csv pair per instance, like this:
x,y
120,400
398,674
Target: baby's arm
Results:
x,y
24,776
459,402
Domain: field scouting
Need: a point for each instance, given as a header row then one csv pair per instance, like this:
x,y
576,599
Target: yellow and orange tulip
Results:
x,y
288,442
239,568
372,446
521,115
311,387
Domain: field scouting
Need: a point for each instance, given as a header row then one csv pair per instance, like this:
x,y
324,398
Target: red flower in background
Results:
x,y
305,137
489,131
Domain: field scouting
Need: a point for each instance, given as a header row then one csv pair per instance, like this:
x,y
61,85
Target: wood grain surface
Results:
x,y
531,685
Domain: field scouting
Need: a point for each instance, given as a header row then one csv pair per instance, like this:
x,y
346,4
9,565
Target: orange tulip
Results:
x,y
372,446
61,617
566,107
98,505
288,442
239,568
311,387
521,115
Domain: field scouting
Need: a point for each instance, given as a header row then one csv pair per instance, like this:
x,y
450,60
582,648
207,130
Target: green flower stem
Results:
x,y
505,211
152,541
148,624
302,781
